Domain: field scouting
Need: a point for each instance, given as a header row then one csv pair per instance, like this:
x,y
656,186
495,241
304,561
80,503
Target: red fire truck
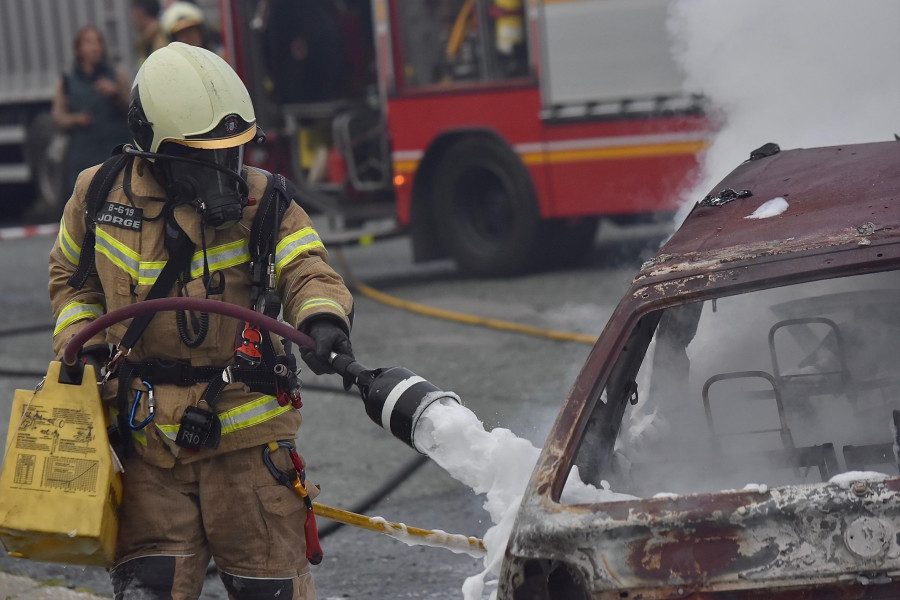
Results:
x,y
497,132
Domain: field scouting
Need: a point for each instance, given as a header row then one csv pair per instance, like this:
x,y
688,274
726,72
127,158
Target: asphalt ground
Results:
x,y
508,379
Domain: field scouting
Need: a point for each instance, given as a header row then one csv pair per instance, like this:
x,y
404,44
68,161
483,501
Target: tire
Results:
x,y
485,208
570,241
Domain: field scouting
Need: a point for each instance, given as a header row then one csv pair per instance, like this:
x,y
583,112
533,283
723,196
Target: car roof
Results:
x,y
837,195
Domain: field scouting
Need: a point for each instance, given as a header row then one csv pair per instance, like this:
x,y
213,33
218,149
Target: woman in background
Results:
x,y
90,104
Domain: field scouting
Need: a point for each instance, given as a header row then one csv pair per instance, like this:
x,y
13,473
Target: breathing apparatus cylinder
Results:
x,y
394,397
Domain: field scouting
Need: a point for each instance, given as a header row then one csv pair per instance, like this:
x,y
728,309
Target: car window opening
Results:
x,y
785,386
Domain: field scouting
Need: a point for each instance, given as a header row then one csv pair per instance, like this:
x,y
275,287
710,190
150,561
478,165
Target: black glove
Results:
x,y
329,337
96,356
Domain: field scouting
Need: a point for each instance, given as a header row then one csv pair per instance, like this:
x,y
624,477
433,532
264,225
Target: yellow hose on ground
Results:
x,y
450,315
423,537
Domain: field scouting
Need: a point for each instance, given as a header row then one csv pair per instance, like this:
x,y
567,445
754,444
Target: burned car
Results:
x,y
744,397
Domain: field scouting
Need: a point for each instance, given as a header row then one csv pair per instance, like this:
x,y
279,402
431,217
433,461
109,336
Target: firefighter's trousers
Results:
x,y
228,507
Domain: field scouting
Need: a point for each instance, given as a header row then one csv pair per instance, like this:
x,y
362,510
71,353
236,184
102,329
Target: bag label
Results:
x,y
121,216
57,450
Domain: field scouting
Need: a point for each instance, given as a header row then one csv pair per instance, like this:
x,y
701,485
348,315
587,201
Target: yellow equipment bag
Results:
x,y
60,488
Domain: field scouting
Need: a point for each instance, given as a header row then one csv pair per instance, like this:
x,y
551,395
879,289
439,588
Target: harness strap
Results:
x,y
97,192
183,373
179,259
123,424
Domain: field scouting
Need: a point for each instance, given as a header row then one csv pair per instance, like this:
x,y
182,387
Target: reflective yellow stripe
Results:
x,y
240,417
314,302
170,431
221,257
613,153
294,244
139,436
148,271
118,253
77,311
68,245
600,153
251,413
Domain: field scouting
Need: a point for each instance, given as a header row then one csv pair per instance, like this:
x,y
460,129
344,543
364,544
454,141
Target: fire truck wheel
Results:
x,y
486,208
570,241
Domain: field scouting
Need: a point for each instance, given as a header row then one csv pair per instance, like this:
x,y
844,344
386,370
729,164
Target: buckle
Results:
x,y
113,364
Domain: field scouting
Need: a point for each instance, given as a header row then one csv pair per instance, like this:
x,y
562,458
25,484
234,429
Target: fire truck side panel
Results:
x,y
585,168
622,166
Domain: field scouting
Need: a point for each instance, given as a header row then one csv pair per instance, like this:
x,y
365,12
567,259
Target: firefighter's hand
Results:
x,y
329,337
96,356
78,120
106,86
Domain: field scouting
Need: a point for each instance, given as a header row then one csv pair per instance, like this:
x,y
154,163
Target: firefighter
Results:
x,y
184,22
184,185
145,18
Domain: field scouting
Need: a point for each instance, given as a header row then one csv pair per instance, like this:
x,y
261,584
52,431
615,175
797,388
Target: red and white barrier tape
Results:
x,y
18,233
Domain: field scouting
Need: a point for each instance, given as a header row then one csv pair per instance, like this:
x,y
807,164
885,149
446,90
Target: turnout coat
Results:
x,y
130,254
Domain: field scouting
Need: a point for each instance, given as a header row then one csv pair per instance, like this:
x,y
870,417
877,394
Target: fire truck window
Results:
x,y
448,41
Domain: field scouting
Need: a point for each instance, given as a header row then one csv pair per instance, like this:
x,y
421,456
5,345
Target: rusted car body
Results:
x,y
739,399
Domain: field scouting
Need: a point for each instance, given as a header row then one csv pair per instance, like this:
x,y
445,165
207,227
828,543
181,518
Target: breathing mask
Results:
x,y
208,180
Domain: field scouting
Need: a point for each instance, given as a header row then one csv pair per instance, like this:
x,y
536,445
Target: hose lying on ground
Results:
x,y
458,317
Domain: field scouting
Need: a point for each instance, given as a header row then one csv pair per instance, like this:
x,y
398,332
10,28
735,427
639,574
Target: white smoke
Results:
x,y
800,73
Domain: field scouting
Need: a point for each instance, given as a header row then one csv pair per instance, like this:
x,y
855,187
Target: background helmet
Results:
x,y
190,96
179,16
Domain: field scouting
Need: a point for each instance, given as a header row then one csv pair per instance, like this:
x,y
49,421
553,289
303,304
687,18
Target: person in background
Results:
x,y
90,104
305,52
145,17
184,22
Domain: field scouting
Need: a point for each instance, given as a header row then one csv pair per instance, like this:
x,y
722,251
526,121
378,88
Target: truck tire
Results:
x,y
570,241
485,208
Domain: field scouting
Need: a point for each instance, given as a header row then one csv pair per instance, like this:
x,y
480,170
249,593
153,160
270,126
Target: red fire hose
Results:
x,y
70,355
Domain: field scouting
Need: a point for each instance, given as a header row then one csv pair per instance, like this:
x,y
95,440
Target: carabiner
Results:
x,y
151,407
284,478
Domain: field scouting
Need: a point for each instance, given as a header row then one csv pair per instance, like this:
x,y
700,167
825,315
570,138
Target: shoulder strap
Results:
x,y
97,192
181,248
264,240
179,258
264,231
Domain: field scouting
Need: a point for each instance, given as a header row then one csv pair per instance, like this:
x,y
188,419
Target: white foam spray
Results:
x,y
800,73
497,464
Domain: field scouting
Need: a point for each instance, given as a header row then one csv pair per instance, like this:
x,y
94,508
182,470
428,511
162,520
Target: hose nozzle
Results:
x,y
394,397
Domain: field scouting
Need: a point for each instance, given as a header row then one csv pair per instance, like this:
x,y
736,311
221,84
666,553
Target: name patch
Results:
x,y
121,216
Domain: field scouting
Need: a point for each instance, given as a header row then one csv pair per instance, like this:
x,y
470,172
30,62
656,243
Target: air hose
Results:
x,y
394,398
70,354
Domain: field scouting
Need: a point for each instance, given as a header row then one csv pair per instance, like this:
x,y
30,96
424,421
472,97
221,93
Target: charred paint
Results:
x,y
685,556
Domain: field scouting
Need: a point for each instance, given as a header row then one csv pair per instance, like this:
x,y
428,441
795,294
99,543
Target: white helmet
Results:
x,y
190,96
179,16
